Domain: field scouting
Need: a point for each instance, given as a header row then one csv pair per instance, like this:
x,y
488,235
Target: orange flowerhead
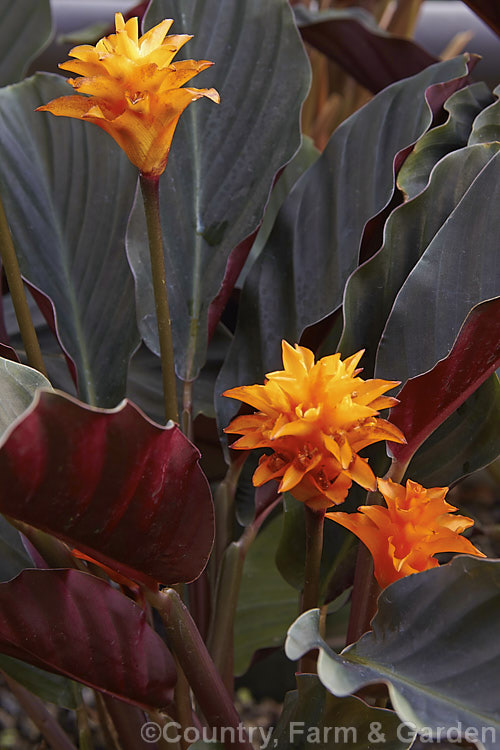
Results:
x,y
404,537
133,90
315,418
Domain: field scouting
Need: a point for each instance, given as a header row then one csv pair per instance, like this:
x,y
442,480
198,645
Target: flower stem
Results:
x,y
366,590
128,722
314,548
187,410
150,195
221,631
17,292
186,643
365,593
182,699
182,692
220,638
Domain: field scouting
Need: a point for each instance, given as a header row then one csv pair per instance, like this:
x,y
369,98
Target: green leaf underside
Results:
x,y
18,385
13,555
208,208
25,30
53,356
314,246
313,717
434,644
67,190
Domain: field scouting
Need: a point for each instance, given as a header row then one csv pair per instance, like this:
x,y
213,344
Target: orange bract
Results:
x,y
134,90
404,537
315,417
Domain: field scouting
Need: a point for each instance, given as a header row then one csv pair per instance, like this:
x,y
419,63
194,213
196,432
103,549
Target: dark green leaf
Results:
x,y
314,246
25,30
486,126
434,644
372,289
303,159
48,686
244,499
145,381
223,159
266,604
457,271
13,555
462,109
313,717
337,548
67,190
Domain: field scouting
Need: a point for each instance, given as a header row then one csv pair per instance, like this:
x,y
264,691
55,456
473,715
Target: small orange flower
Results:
x,y
404,537
134,90
315,418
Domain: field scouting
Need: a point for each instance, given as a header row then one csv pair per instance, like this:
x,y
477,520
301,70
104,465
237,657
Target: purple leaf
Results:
x,y
111,483
74,624
488,11
372,57
427,400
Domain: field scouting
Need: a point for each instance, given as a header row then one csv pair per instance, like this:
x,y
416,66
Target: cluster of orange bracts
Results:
x,y
130,88
315,417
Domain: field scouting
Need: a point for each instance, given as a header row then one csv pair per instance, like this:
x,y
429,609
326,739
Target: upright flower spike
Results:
x,y
315,417
404,537
130,88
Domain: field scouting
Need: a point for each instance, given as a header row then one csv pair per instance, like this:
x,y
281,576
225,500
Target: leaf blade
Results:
x,y
111,483
45,612
421,657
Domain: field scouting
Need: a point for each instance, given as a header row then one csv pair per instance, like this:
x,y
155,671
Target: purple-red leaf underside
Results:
x,y
427,400
372,59
7,352
111,483
46,307
234,265
74,624
488,11
436,96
